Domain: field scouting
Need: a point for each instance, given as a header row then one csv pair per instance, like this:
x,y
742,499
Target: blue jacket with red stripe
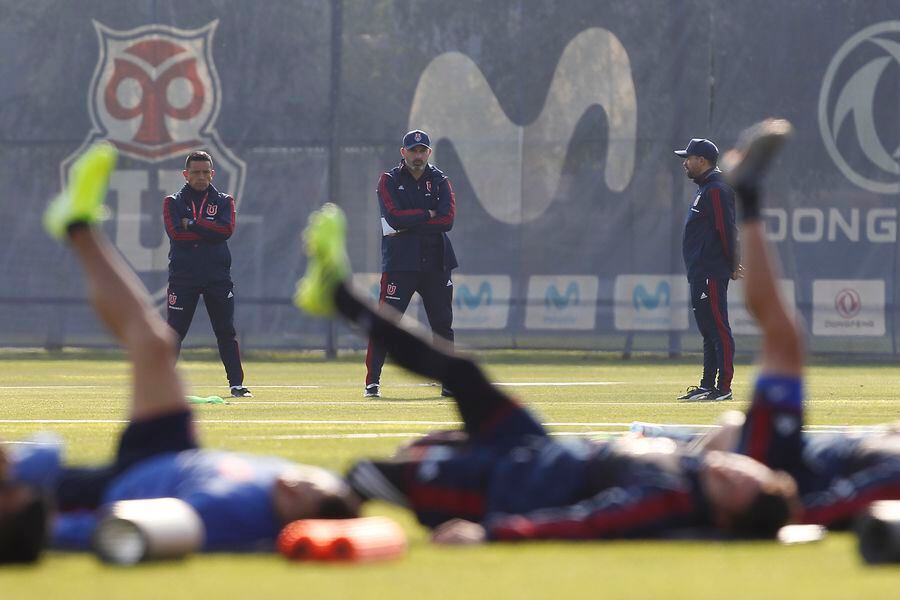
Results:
x,y
519,483
837,475
405,202
709,245
199,254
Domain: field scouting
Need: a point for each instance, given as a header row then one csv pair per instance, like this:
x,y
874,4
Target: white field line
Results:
x,y
589,424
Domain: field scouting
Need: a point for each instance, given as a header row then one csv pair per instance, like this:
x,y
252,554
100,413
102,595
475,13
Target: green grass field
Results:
x,y
310,410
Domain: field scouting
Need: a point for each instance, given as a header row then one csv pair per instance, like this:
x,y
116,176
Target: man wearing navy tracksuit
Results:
x,y
710,257
199,219
417,209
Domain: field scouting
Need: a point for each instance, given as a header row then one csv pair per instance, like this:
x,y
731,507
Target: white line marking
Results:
x,y
349,436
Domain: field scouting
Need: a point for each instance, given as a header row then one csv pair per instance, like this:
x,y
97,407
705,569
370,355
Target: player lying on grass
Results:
x,y
505,478
837,475
242,500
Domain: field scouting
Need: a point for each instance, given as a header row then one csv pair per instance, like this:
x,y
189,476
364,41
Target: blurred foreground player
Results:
x,y
243,500
504,478
837,475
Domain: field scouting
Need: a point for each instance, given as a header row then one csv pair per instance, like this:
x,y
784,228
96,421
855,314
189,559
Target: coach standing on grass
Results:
x,y
199,219
417,210
710,257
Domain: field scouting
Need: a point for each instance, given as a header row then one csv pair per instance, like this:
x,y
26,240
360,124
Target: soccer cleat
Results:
x,y
373,390
82,200
695,393
239,391
328,265
717,395
757,146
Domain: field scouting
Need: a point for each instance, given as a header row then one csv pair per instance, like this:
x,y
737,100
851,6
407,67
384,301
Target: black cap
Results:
x,y
416,137
700,147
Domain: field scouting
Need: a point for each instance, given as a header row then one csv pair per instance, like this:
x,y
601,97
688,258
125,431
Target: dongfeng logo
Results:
x,y
857,108
847,303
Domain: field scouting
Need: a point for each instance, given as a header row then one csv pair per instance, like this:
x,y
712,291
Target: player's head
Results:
x,y
747,498
23,524
416,150
198,170
699,156
307,492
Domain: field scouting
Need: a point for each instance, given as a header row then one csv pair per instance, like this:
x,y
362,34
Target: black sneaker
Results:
x,y
695,393
446,392
716,395
373,390
240,391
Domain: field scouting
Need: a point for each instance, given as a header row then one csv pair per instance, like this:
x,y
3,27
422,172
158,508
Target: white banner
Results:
x,y
481,301
848,307
651,302
561,302
738,316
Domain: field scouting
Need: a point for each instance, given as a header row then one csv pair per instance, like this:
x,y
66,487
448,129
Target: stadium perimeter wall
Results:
x,y
555,120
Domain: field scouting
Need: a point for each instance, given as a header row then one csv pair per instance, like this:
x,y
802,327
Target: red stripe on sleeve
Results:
x,y
846,508
389,200
614,522
448,218
225,230
176,234
719,216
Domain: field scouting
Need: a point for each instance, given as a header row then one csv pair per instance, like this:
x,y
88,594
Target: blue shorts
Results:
x,y
83,487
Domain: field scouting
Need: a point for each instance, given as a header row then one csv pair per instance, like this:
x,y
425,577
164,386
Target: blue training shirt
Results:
x,y
231,492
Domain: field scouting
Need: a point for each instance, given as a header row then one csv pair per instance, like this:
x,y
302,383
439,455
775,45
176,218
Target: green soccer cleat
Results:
x,y
82,201
328,266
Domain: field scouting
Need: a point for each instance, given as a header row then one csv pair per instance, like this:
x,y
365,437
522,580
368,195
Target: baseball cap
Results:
x,y
416,137
700,147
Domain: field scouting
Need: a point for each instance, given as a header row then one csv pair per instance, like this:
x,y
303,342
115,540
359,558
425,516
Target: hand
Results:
x,y
738,273
184,223
459,532
432,213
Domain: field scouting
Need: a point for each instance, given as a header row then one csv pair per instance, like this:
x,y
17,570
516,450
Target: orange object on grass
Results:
x,y
362,539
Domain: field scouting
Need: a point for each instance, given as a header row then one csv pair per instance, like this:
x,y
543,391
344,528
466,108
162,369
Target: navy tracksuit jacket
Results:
x,y
200,264
709,248
419,257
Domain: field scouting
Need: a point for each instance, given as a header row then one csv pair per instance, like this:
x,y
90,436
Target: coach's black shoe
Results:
x,y
239,391
695,393
717,395
373,390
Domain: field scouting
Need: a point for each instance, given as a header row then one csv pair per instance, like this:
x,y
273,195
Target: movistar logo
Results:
x,y
642,299
515,170
465,297
857,108
553,299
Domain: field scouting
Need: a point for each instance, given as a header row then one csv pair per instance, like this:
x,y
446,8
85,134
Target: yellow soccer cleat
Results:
x,y
328,266
82,201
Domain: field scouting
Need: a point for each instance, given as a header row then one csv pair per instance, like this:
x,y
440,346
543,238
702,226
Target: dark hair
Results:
x,y
775,506
337,507
197,155
23,534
